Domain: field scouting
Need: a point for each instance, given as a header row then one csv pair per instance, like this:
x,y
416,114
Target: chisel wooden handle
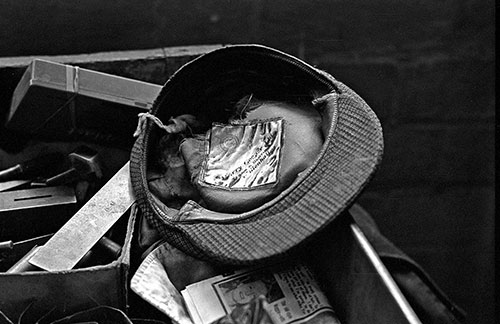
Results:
x,y
31,167
7,245
22,265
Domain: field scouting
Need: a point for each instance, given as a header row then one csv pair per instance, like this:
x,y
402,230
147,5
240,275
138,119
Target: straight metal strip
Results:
x,y
88,225
385,275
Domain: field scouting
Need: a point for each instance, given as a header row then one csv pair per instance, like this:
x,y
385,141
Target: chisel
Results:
x,y
31,167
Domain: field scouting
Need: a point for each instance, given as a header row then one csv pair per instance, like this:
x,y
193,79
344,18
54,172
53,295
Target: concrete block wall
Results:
x,y
426,68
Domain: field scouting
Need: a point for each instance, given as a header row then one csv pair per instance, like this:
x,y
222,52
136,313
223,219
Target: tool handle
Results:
x,y
106,245
7,245
85,261
31,167
111,248
23,264
11,173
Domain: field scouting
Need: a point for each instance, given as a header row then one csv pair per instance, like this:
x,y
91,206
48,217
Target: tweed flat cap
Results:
x,y
206,88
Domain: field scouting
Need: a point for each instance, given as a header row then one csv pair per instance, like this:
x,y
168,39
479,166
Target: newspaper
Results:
x,y
292,293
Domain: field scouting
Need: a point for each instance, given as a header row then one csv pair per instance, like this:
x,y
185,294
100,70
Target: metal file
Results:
x,y
88,225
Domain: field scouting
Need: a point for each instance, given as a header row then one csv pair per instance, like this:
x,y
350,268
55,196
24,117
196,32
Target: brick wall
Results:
x,y
426,68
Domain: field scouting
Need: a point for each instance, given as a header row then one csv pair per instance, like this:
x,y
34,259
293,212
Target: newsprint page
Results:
x,y
292,293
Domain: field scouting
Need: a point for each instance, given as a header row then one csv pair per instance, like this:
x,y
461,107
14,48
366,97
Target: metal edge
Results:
x,y
386,277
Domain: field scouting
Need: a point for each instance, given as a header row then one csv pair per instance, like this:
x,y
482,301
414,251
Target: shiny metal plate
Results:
x,y
243,156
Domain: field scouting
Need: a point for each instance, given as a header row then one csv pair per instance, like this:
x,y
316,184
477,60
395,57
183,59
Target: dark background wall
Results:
x,y
426,67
